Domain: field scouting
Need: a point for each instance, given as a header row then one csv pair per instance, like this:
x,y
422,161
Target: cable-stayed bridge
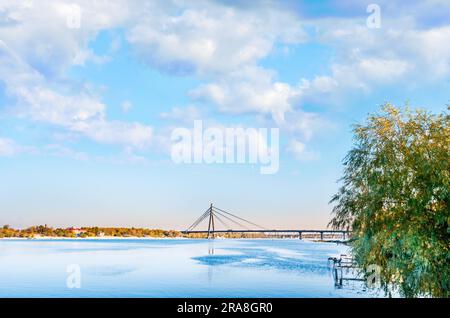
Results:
x,y
231,223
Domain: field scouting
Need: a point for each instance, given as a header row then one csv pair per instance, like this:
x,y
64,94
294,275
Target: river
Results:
x,y
171,268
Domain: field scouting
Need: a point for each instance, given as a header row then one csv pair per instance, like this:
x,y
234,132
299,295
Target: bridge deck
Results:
x,y
213,214
267,231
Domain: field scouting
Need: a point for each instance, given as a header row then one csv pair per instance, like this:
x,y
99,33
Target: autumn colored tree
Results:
x,y
395,198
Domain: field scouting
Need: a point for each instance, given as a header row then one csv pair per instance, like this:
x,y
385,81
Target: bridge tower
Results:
x,y
211,228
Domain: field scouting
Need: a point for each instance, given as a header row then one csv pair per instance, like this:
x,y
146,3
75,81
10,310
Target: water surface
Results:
x,y
172,268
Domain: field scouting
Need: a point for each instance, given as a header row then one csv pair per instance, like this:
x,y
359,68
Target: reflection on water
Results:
x,y
210,247
210,268
172,268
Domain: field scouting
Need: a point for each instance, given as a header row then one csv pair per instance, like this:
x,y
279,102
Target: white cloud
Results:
x,y
126,106
201,36
184,114
8,147
304,124
42,99
217,41
300,152
39,33
399,52
36,51
366,73
222,43
256,90
251,89
434,47
116,132
43,104
321,84
62,151
207,37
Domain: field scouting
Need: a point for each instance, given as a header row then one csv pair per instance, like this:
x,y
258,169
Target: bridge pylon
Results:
x,y
213,214
211,227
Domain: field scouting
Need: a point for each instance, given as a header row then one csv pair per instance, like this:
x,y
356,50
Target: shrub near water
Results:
x,y
395,198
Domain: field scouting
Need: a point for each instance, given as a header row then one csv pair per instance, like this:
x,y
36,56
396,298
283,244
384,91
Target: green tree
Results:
x,y
395,198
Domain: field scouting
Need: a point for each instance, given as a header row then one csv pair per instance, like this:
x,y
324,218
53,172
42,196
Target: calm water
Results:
x,y
171,268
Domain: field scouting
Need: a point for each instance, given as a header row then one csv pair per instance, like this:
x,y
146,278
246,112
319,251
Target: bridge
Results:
x,y
214,215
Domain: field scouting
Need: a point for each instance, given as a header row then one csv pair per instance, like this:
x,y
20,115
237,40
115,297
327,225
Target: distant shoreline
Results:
x,y
90,238
44,232
53,238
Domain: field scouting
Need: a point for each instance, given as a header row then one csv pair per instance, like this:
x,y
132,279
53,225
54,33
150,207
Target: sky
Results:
x,y
91,92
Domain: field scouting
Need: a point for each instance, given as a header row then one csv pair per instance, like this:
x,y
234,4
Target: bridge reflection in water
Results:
x,y
214,215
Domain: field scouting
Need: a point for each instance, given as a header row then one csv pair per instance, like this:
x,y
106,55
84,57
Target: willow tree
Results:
x,y
395,198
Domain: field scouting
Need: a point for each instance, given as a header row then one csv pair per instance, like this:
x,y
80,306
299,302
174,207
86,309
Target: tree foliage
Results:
x,y
395,198
43,230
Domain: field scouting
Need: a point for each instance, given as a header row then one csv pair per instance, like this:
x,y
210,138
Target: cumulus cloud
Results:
x,y
222,44
40,33
30,67
399,52
219,42
256,90
183,114
209,37
79,113
304,124
251,89
299,150
116,132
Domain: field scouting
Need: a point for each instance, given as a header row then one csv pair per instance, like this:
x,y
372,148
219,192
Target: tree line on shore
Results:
x,y
46,231
85,232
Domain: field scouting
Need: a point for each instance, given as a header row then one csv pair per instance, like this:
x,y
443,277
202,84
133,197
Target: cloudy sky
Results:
x,y
91,90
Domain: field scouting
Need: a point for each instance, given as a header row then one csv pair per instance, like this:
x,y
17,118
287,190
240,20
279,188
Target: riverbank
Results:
x,y
109,238
90,238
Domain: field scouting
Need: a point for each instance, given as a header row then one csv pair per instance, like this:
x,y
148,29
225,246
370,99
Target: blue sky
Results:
x,y
91,90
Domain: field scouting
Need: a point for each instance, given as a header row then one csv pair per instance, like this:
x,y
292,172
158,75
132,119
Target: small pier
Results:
x,y
344,270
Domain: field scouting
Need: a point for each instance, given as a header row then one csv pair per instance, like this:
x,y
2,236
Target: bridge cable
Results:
x,y
227,226
199,220
205,215
262,227
223,215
